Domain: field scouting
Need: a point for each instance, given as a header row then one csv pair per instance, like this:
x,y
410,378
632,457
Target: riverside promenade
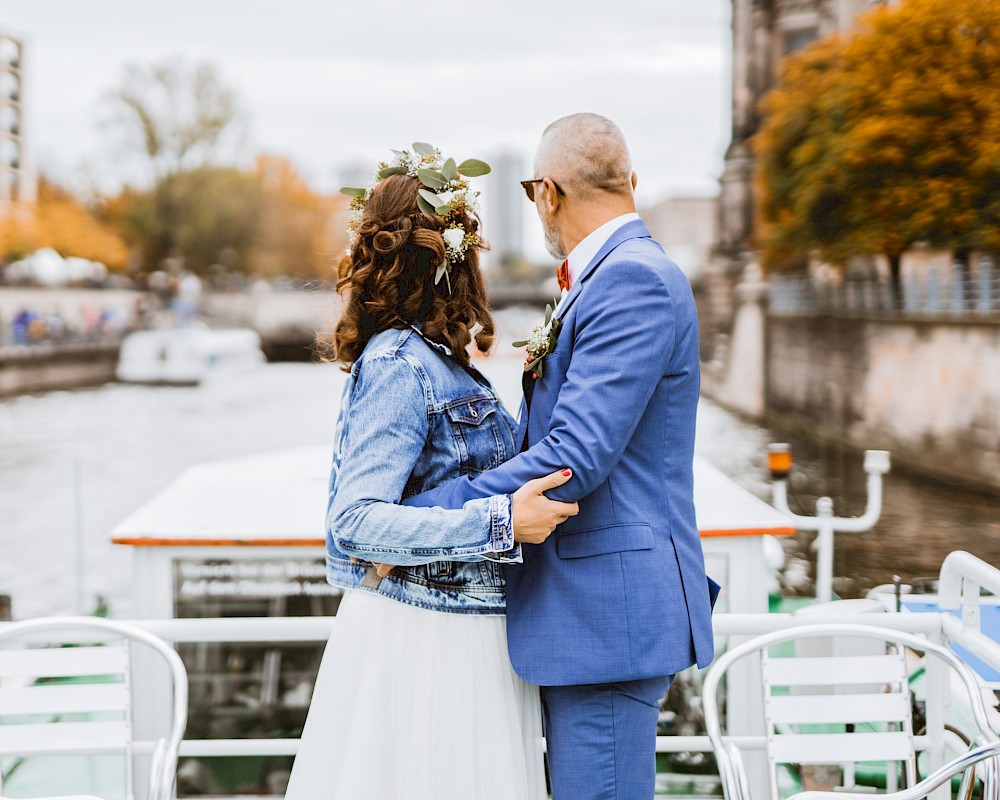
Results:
x,y
71,341
74,338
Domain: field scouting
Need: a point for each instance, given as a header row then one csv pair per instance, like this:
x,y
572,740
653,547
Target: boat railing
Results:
x,y
962,578
318,629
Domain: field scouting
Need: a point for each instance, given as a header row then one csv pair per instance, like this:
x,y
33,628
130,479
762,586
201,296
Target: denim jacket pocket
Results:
x,y
601,541
473,422
471,410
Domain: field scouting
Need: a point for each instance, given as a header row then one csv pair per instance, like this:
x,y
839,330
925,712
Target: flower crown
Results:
x,y
446,193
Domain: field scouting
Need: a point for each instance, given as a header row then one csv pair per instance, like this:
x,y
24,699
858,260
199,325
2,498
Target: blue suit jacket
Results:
x,y
618,592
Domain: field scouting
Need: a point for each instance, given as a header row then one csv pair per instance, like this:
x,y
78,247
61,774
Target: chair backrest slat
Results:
x,y
801,696
840,671
65,737
88,708
839,748
64,662
828,693
838,708
65,699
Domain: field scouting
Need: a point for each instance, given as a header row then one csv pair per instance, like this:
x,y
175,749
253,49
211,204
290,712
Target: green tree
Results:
x,y
178,119
887,137
262,220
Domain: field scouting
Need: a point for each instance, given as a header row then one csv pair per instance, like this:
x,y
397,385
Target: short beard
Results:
x,y
552,243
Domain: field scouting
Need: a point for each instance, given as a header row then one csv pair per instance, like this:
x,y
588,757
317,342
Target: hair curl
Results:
x,y
387,280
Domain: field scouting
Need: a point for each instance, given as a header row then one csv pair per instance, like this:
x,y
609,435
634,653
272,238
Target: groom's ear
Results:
x,y
550,194
635,180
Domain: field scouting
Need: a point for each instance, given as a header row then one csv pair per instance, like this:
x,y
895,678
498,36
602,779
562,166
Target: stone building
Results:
x,y
17,179
764,32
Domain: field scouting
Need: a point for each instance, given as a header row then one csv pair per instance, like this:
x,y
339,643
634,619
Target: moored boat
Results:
x,y
186,355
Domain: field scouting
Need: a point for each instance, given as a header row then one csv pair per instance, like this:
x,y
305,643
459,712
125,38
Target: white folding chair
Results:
x,y
32,712
802,691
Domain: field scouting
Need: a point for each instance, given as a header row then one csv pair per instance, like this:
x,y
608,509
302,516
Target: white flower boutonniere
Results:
x,y
540,343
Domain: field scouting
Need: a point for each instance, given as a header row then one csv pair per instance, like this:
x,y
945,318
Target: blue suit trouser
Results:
x,y
602,739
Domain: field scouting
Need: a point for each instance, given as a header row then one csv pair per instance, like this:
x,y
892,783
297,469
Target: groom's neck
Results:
x,y
587,218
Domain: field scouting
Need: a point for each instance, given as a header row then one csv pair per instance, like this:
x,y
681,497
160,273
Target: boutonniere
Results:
x,y
540,343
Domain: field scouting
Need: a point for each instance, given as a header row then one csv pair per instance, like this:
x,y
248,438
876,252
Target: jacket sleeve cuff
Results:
x,y
503,548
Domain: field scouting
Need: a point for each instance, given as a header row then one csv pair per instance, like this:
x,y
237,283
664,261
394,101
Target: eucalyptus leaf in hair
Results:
x,y
422,148
444,210
352,191
385,173
432,178
430,197
473,168
450,170
424,206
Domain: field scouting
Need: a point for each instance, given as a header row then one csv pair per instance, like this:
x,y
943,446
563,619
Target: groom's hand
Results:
x,y
534,515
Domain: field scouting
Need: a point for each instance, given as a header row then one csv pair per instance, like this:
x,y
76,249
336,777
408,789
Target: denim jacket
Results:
x,y
412,418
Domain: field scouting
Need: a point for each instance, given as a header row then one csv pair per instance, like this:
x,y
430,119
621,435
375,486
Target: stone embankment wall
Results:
x,y
929,391
925,388
43,367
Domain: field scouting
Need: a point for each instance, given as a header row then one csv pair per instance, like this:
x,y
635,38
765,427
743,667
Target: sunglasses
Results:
x,y
529,187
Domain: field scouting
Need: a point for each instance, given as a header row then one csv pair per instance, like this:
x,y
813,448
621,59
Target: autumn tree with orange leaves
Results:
x,y
60,221
886,137
264,220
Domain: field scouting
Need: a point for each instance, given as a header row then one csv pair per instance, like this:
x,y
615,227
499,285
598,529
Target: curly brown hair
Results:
x,y
387,280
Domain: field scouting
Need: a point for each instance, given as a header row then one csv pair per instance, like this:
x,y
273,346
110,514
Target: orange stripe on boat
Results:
x,y
749,532
143,541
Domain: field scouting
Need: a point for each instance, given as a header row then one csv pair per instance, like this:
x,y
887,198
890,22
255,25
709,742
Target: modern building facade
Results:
x,y
17,178
504,209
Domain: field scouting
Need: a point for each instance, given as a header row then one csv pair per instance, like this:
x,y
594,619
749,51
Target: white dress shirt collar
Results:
x,y
589,246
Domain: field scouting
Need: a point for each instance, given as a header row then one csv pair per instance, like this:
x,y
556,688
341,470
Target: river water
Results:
x,y
74,464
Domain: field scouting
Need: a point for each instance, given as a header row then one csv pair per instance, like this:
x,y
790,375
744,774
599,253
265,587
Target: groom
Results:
x,y
605,611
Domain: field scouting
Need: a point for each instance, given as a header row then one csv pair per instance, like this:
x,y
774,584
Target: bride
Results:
x,y
416,698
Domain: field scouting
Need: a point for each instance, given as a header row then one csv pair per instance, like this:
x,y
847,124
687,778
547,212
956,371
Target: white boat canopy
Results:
x,y
279,499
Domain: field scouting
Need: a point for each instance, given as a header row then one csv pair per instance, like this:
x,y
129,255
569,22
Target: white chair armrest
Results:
x,y
157,790
927,785
734,777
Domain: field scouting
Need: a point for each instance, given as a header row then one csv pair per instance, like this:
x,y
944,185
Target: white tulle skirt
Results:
x,y
412,704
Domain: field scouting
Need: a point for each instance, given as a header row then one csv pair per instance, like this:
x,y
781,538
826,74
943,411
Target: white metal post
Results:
x,y
824,545
826,524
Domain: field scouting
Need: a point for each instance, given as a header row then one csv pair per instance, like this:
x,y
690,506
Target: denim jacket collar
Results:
x,y
443,348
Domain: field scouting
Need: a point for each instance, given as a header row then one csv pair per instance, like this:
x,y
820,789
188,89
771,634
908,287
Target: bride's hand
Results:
x,y
380,569
534,515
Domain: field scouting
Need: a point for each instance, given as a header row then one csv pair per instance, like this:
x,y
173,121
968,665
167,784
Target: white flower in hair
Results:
x,y
453,237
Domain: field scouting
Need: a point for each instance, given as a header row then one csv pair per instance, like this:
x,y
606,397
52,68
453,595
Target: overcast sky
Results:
x,y
326,81
331,82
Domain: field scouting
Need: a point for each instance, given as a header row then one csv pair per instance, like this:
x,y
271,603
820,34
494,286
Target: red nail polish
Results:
x,y
567,472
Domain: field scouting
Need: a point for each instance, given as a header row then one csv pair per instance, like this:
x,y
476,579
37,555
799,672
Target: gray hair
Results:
x,y
587,152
